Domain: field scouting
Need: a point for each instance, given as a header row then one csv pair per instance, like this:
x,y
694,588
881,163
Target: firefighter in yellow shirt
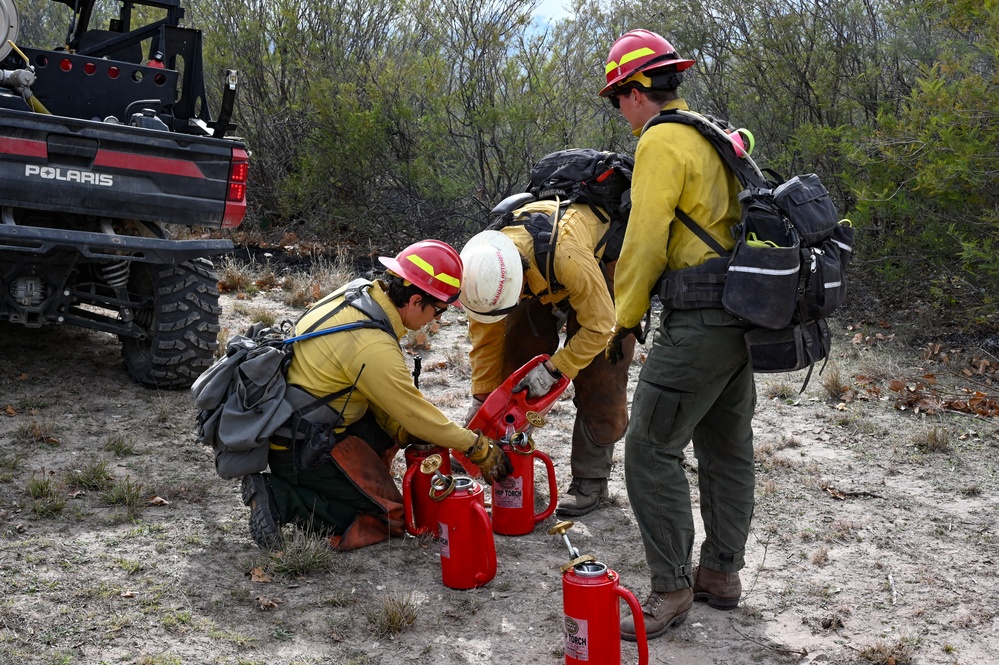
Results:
x,y
516,311
696,384
350,496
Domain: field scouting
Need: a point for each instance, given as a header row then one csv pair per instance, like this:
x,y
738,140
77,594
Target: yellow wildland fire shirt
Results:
x,y
675,167
575,266
329,363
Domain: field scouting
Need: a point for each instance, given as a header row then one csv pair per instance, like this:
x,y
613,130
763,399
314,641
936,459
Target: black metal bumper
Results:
x,y
30,240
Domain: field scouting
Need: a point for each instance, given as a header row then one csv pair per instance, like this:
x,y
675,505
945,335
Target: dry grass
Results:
x,y
394,615
303,553
256,314
125,492
45,499
934,439
235,277
779,390
94,475
890,653
120,444
326,275
36,431
832,381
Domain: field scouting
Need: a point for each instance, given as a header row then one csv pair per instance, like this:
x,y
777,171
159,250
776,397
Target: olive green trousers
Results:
x,y
696,385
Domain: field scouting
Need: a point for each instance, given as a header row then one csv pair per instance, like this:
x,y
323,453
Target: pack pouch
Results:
x,y
310,432
789,349
823,273
762,278
807,204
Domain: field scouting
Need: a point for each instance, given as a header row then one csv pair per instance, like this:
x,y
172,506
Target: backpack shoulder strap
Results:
x,y
359,296
744,168
355,294
699,231
544,232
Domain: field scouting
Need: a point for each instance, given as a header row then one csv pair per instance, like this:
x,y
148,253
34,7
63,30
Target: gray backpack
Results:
x,y
244,400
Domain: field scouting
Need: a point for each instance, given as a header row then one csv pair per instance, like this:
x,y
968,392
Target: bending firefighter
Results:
x,y
349,495
516,311
697,382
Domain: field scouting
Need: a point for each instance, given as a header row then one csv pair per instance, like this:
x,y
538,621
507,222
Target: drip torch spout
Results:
x,y
559,530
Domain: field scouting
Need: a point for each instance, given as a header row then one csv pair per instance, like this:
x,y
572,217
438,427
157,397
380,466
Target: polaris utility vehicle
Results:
x,y
107,151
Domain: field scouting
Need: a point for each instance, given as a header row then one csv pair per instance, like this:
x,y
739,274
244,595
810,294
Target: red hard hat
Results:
x,y
431,265
640,51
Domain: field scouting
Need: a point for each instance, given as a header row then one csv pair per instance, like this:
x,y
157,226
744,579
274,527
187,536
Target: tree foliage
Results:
x,y
378,122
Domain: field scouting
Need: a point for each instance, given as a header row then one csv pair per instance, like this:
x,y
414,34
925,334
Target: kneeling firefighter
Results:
x,y
342,488
516,311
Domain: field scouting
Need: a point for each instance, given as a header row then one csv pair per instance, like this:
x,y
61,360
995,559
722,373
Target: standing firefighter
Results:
x,y
350,495
516,311
697,382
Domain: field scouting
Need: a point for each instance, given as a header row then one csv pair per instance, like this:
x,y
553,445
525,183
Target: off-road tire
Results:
x,y
182,317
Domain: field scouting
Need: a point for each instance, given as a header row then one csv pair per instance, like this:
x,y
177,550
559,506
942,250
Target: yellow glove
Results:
x,y
490,458
614,353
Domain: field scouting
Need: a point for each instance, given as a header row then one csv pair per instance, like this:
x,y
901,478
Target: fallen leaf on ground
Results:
x,y
267,603
158,501
836,494
258,574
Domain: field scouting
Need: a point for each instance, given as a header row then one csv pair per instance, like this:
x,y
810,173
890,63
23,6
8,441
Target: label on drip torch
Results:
x,y
509,493
443,540
577,638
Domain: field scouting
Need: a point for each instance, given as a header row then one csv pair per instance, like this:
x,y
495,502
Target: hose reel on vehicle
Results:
x,y
10,25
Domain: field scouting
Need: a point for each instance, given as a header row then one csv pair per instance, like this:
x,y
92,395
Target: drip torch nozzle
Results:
x,y
440,485
575,558
559,530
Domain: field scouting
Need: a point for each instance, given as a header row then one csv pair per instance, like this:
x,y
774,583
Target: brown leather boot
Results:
x,y
582,497
720,590
661,612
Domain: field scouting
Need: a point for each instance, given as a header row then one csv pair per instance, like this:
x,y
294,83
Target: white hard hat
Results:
x,y
493,276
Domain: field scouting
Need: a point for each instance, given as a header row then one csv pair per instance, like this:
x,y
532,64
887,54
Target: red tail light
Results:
x,y
235,206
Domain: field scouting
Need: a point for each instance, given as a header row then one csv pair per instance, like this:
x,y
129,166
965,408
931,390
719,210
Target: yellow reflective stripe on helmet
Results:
x,y
429,269
628,57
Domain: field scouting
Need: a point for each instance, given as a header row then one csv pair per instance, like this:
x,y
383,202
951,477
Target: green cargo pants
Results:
x,y
696,384
324,500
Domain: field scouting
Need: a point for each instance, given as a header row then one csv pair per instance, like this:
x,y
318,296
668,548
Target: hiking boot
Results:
x,y
265,520
661,612
720,590
583,496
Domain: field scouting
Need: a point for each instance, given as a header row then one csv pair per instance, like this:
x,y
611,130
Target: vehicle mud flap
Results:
x,y
367,471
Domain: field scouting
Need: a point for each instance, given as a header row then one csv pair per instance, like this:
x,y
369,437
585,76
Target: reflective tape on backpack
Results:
x,y
763,271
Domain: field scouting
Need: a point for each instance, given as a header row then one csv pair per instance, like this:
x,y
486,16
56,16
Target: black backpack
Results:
x,y
577,175
244,400
787,272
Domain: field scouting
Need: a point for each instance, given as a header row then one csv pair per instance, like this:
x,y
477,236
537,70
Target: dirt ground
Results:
x,y
874,538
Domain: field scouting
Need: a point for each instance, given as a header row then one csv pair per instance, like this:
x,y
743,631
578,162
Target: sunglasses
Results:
x,y
439,309
615,97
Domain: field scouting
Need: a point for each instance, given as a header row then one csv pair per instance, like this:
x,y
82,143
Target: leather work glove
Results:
x,y
490,458
614,353
539,380
473,408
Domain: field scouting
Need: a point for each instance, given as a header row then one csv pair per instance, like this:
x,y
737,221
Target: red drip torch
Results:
x,y
493,417
591,594
420,509
468,551
513,497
